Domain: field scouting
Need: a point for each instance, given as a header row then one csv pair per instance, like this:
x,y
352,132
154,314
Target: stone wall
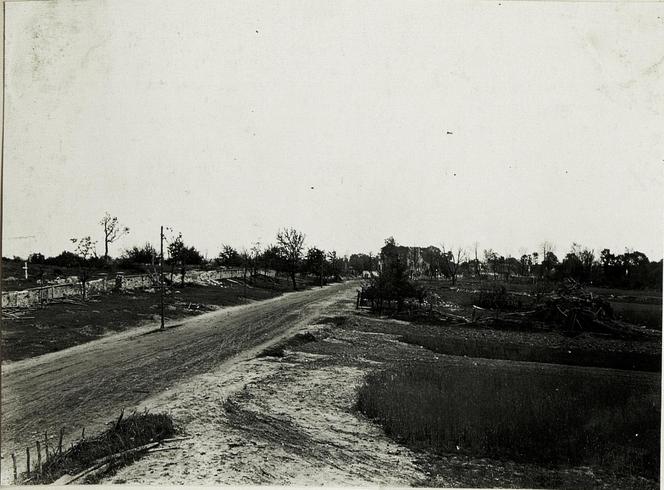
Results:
x,y
36,296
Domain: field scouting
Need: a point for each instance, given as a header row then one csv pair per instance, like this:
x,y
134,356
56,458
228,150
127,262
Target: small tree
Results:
x,y
291,243
315,263
86,250
113,231
229,257
452,261
180,255
136,256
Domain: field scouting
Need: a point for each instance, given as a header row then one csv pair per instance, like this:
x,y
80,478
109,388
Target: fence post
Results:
x,y
27,463
39,460
15,470
46,444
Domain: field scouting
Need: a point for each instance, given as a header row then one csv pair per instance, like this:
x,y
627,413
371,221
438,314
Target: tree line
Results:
x,y
289,255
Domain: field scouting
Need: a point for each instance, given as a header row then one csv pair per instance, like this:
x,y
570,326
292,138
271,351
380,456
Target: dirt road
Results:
x,y
88,385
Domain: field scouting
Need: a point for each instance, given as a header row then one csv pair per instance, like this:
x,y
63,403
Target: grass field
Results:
x,y
525,414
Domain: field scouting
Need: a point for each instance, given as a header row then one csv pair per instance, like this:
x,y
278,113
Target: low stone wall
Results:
x,y
36,296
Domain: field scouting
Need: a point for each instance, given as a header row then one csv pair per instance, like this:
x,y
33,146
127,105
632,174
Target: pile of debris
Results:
x,y
574,309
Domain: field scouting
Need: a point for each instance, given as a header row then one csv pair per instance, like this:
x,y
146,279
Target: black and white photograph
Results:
x,y
341,243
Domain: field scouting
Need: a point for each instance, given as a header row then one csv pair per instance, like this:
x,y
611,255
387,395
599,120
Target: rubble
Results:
x,y
573,309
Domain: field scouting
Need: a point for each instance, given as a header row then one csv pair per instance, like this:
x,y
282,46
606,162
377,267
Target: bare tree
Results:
x,y
477,262
113,231
291,243
547,254
452,260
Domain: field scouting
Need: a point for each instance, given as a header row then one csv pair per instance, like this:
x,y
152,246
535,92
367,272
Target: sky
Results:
x,y
502,123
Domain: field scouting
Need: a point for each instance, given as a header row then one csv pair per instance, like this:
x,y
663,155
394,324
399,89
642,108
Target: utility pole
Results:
x,y
161,274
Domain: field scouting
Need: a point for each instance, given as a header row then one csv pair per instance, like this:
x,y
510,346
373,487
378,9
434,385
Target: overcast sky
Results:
x,y
505,123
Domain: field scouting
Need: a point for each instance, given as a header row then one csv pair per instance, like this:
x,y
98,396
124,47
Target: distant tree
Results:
x,y
180,256
360,262
139,255
335,265
392,282
315,262
113,231
491,260
549,259
86,250
549,263
229,257
452,261
291,243
36,258
476,262
525,264
64,259
272,258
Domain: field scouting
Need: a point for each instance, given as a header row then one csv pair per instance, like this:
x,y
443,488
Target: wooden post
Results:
x,y
161,274
15,471
62,433
46,443
83,433
27,463
39,461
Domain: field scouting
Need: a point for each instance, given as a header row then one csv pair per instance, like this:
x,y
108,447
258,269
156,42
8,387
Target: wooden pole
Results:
x,y
83,433
62,433
39,461
27,462
161,274
15,470
46,444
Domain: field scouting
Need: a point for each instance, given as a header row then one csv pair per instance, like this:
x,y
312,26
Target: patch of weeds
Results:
x,y
133,431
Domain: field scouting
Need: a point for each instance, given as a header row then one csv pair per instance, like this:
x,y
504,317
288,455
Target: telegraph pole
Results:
x,y
161,274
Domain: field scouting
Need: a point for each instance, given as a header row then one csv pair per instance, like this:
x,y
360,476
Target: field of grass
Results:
x,y
607,419
59,325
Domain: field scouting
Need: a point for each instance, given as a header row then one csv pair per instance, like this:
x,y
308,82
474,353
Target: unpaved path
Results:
x,y
88,385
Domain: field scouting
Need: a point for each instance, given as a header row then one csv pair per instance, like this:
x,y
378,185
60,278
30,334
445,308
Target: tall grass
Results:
x,y
531,416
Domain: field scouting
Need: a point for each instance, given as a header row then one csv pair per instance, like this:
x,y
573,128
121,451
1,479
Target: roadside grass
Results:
x,y
516,351
126,433
529,416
